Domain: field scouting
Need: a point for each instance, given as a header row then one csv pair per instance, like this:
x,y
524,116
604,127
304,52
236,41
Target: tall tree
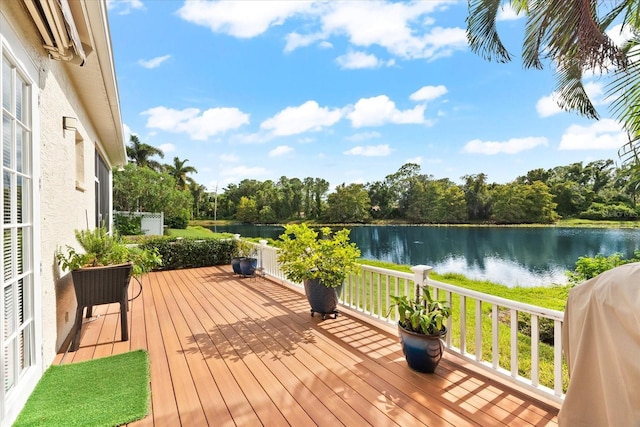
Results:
x,y
349,204
141,153
141,189
573,35
179,172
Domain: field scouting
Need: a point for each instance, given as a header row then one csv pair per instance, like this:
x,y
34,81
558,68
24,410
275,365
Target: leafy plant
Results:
x,y
243,249
304,254
589,267
424,315
102,249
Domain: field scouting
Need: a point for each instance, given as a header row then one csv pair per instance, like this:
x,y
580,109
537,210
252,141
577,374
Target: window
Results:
x,y
80,185
17,334
102,193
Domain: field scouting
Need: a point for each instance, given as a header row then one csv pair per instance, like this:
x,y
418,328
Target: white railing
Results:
x,y
475,315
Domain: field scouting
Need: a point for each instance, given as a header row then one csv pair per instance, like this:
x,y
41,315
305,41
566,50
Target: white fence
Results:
x,y
151,223
483,329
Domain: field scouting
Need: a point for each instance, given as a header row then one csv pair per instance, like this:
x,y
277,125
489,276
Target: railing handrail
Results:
x,y
358,299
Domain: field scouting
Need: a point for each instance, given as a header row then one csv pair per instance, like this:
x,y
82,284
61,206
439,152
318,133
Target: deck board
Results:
x,y
231,351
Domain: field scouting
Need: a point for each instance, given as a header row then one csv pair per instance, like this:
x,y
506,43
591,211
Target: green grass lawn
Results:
x,y
198,232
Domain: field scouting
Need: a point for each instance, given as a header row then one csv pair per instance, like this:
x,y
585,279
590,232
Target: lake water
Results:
x,y
513,256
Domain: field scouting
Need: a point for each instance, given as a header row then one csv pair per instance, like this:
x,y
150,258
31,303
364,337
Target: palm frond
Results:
x,y
572,95
482,33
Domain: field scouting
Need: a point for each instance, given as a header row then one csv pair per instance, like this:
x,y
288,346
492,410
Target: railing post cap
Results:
x,y
263,242
236,236
421,267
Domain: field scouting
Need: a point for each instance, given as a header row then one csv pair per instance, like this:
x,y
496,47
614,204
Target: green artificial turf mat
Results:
x,y
109,391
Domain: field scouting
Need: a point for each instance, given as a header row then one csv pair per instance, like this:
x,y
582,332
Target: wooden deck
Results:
x,y
245,351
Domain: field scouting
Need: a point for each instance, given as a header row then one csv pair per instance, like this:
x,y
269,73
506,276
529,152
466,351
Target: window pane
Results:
x,y
9,315
19,199
7,258
9,371
7,193
19,250
20,303
6,141
19,151
19,98
6,85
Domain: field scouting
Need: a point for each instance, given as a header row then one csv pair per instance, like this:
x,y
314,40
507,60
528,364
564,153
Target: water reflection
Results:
x,y
514,256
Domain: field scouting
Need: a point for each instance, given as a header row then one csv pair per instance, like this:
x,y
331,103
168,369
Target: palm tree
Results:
x,y
139,153
573,36
199,194
179,171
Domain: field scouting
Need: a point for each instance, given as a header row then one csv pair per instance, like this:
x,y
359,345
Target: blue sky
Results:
x,y
348,91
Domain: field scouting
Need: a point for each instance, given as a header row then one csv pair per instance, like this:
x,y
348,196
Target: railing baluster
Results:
x,y
557,357
463,324
478,330
514,343
535,351
495,338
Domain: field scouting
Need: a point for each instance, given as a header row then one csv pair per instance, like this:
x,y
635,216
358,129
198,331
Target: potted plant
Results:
x,y
244,261
321,263
101,274
421,329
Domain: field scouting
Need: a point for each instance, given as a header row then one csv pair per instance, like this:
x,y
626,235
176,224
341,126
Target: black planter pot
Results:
x,y
235,265
322,299
248,266
422,352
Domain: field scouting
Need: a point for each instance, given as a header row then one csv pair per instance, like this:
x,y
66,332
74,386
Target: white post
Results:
x,y
263,245
420,276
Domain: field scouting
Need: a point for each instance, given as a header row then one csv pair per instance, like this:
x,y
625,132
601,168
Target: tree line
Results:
x,y
596,190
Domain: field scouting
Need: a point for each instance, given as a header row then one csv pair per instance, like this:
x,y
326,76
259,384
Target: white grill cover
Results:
x,y
601,337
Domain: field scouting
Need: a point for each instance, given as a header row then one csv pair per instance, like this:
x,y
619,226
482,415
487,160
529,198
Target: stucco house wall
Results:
x,y
64,171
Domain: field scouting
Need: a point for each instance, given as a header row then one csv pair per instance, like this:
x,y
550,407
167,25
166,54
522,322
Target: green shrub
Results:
x,y
589,267
128,225
189,253
599,211
179,222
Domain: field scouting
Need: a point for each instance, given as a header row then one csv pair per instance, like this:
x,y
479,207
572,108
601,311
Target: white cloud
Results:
x,y
153,62
548,105
380,110
280,150
404,29
198,126
242,19
428,93
167,148
306,117
507,13
363,136
241,172
620,35
229,157
512,146
396,26
605,134
356,60
295,40
126,133
369,151
416,160
124,7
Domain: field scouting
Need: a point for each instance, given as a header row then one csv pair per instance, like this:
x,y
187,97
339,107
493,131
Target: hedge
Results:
x,y
185,252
